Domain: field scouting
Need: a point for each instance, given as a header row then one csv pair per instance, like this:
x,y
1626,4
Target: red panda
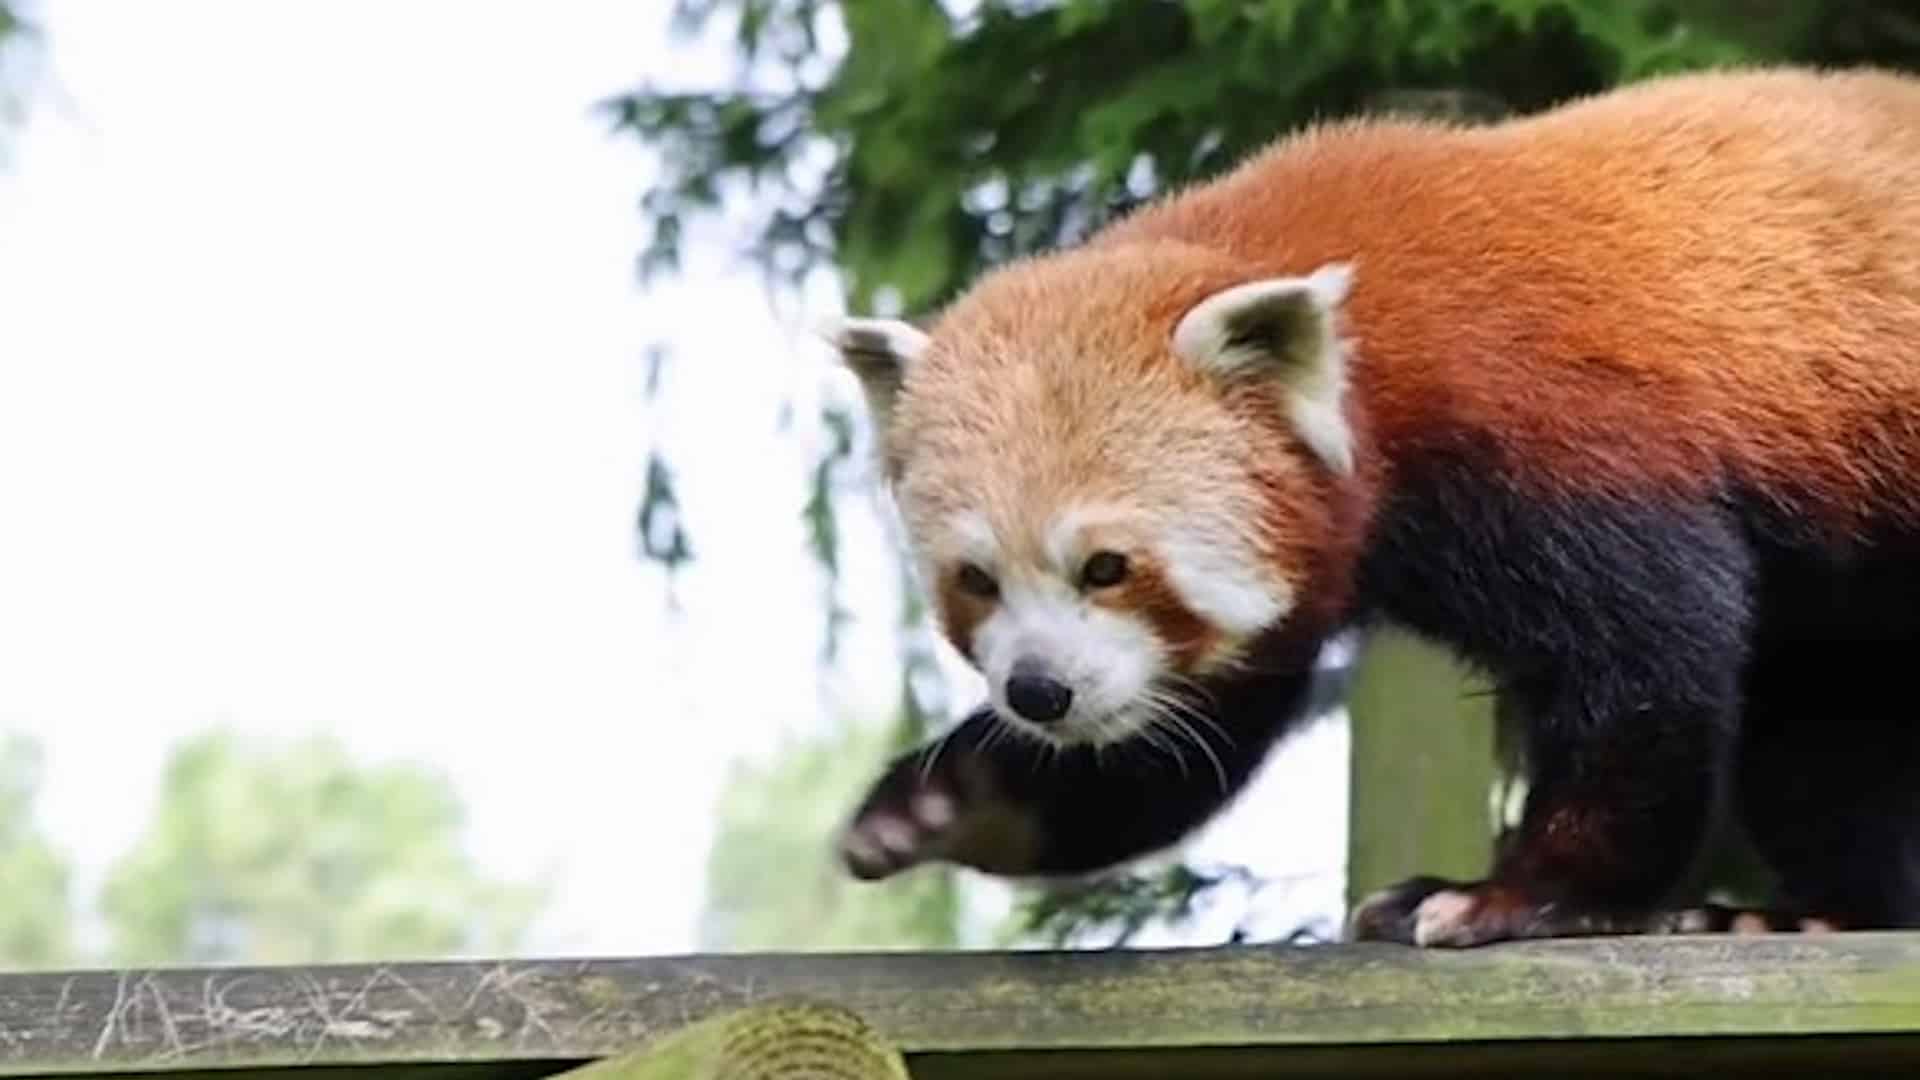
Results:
x,y
1619,401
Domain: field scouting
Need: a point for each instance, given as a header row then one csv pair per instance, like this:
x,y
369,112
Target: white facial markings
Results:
x,y
1223,581
1063,544
973,540
1107,658
1066,540
1111,659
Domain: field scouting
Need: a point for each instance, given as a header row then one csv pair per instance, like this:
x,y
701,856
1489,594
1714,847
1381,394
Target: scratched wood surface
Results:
x,y
1354,1010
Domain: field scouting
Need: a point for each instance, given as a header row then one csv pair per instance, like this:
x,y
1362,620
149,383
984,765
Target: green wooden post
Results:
x,y
1423,766
761,1042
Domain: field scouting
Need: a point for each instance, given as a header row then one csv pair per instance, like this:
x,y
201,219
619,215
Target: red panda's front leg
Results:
x,y
1622,634
998,800
1614,817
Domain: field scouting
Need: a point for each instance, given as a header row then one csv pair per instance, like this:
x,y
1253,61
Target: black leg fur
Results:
x,y
992,798
1622,630
1829,780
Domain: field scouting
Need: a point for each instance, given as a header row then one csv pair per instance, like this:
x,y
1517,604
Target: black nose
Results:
x,y
1036,695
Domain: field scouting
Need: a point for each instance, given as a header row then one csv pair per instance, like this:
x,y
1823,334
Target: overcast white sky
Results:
x,y
320,410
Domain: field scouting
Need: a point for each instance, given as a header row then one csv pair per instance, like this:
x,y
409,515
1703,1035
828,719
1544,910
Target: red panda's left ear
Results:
x,y
1286,329
879,352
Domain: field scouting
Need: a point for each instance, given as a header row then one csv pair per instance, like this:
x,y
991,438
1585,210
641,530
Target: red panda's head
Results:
x,y
1116,468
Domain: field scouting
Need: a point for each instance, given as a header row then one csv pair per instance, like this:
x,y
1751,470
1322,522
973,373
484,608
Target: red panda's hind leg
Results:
x,y
1828,770
1435,912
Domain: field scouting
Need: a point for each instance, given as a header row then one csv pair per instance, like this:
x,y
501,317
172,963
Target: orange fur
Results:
x,y
1638,291
1691,281
960,612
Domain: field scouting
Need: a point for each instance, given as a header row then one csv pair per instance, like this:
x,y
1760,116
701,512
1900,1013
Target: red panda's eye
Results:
x,y
977,582
1104,569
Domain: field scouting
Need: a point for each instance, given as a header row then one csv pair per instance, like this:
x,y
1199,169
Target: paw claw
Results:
x,y
1435,913
1722,919
1444,918
949,807
1388,915
892,836
895,835
863,857
934,809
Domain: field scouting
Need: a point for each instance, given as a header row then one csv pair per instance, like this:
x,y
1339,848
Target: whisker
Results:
x,y
996,731
926,763
1219,767
1048,756
1176,711
1192,711
1192,686
1212,724
1152,738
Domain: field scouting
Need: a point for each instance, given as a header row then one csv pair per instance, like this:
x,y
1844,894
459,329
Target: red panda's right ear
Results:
x,y
1283,329
879,352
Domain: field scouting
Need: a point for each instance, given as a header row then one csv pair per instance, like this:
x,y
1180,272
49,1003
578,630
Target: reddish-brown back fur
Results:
x,y
1690,279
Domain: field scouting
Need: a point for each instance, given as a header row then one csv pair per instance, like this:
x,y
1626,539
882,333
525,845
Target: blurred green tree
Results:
x,y
771,882
293,853
911,146
907,145
18,56
36,916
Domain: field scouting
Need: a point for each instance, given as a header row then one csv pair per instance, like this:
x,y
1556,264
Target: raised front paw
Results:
x,y
931,807
898,826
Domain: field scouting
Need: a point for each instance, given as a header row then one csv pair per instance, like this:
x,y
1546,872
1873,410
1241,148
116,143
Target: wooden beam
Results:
x,y
1734,1005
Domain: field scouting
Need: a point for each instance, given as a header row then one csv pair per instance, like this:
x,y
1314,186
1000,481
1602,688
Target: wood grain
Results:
x,y
1215,1011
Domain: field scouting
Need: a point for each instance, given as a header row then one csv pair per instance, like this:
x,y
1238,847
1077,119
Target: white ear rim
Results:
x,y
1324,430
1315,388
893,340
878,353
1201,335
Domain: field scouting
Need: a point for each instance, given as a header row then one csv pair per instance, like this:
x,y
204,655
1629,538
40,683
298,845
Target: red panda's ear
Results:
x,y
879,352
1284,329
